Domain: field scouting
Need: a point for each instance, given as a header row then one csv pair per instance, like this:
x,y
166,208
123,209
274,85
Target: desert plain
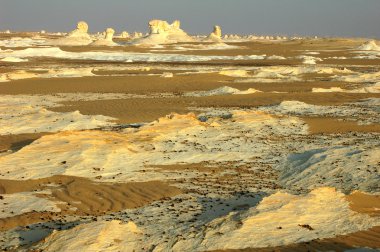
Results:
x,y
172,142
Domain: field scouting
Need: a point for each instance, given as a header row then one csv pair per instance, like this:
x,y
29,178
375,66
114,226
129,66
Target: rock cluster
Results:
x,y
161,32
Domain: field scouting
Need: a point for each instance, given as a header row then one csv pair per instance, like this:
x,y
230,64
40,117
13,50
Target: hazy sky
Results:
x,y
288,17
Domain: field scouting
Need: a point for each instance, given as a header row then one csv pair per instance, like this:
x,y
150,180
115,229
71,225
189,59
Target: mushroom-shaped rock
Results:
x,y
82,27
107,40
80,31
78,37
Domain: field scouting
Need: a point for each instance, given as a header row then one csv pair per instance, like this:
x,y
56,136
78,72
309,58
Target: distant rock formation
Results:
x,y
369,46
216,35
136,35
77,37
107,40
124,34
217,31
158,26
161,32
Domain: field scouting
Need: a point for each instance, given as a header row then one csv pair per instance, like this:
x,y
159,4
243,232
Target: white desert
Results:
x,y
159,140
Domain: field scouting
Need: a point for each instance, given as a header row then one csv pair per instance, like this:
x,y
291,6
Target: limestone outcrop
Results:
x,y
124,34
107,40
161,32
137,35
77,37
215,35
369,46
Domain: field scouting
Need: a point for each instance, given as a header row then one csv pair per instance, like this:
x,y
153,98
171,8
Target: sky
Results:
x,y
346,18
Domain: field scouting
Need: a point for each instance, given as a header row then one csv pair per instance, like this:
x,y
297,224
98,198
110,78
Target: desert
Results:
x,y
165,140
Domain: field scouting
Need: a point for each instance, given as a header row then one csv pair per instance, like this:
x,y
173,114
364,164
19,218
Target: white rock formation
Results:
x,y
13,59
369,46
136,35
124,34
24,202
225,90
167,75
279,219
77,37
216,35
97,236
257,227
107,40
161,32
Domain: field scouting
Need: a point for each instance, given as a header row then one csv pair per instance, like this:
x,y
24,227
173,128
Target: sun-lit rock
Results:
x,y
107,40
77,37
136,35
124,34
216,35
161,32
369,46
158,26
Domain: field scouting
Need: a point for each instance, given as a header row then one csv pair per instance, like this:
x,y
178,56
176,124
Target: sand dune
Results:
x,y
80,196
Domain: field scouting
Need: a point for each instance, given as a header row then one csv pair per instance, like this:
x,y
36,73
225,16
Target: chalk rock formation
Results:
x,y
161,32
124,34
79,36
137,35
158,26
216,35
107,40
369,46
217,31
96,236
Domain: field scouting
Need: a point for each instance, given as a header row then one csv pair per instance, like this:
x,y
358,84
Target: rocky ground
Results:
x,y
238,146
